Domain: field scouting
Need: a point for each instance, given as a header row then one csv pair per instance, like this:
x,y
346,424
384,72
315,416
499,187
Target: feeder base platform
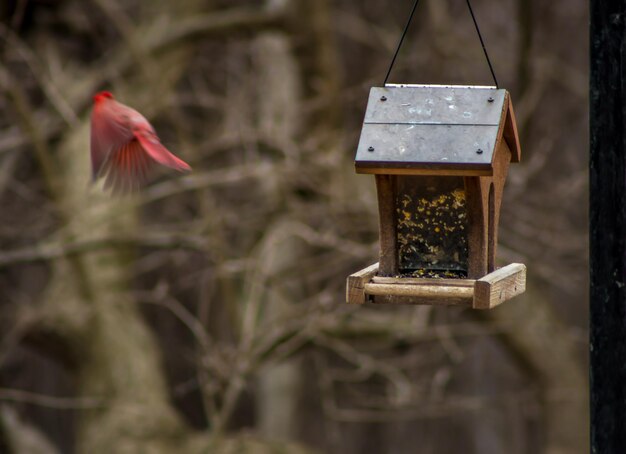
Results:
x,y
485,293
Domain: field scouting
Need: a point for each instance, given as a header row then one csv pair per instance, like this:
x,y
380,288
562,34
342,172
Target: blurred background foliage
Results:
x,y
206,314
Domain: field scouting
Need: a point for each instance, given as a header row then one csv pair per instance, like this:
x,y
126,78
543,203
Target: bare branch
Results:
x,y
43,400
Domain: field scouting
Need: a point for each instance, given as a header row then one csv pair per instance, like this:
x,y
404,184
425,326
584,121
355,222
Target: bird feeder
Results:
x,y
440,156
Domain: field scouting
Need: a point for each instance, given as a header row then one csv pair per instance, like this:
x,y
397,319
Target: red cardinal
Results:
x,y
124,146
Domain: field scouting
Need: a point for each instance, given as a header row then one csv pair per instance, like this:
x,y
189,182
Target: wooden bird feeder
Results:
x,y
440,155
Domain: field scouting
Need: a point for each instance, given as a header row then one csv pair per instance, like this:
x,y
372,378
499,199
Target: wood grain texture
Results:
x,y
510,133
499,286
424,281
421,301
485,293
484,200
501,163
425,291
477,225
386,187
355,284
428,171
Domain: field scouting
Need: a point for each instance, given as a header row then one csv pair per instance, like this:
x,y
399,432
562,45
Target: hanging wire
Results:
x,y
406,28
482,43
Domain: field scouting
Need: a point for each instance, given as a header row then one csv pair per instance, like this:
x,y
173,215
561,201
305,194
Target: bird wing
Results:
x,y
153,147
127,168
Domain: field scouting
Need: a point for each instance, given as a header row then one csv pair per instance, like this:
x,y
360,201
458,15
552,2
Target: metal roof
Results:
x,y
444,129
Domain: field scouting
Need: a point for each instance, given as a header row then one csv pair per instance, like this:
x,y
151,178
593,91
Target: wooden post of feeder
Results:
x,y
386,187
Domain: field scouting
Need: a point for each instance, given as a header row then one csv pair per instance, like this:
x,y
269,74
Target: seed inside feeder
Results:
x,y
431,226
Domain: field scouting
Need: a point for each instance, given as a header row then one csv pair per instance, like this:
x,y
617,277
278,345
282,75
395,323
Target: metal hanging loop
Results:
x,y
406,28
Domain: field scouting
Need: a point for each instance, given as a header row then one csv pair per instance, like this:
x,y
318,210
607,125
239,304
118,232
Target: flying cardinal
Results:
x,y
124,146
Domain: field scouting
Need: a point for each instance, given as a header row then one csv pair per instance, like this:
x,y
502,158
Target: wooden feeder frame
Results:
x,y
484,293
483,175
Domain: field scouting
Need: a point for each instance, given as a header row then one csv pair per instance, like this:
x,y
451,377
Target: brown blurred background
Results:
x,y
206,314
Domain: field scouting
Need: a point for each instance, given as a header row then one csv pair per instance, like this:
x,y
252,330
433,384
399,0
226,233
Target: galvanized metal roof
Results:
x,y
447,128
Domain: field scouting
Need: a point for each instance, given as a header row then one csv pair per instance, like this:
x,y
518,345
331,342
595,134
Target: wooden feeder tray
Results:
x,y
484,293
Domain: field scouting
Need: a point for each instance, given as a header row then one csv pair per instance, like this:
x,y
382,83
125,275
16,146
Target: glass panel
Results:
x,y
432,226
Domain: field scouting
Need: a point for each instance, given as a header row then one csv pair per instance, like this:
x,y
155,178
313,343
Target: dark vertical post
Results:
x,y
607,173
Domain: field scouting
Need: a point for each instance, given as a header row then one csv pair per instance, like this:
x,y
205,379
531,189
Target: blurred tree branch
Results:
x,y
256,248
